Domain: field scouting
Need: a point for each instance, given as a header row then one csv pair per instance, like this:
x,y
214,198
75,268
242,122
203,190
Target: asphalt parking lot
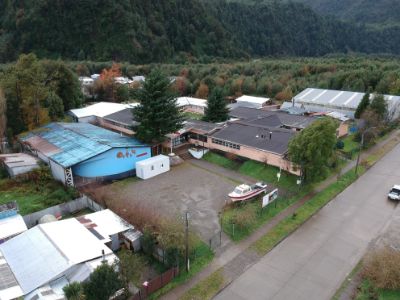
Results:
x,y
187,187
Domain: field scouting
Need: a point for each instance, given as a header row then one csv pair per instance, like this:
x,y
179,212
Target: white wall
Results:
x,y
57,171
152,167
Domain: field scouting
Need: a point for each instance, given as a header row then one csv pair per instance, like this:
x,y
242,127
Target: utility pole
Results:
x,y
361,146
187,241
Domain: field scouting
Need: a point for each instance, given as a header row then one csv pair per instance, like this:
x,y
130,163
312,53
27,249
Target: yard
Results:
x,y
187,187
32,196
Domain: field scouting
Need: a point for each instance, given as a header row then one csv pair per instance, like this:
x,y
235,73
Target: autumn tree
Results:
x,y
105,87
313,148
202,91
216,110
158,113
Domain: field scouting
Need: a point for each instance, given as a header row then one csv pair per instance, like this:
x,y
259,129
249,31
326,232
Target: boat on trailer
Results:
x,y
245,192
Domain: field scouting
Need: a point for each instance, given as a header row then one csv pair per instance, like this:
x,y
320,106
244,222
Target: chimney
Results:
x,y
270,135
103,256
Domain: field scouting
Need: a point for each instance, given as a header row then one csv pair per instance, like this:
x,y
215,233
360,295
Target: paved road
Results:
x,y
313,261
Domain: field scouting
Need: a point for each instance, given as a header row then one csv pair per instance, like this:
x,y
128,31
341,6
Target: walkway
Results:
x,y
236,258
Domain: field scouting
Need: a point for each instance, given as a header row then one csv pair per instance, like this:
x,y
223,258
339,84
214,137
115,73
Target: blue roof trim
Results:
x,y
80,141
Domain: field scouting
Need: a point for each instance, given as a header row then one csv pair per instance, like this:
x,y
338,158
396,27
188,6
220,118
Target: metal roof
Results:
x,y
256,137
100,109
11,226
337,99
124,117
252,99
46,251
185,101
71,143
15,160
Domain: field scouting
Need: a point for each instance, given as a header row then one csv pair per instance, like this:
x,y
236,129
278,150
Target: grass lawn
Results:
x,y
249,216
349,144
367,291
302,214
205,289
31,197
193,116
221,161
203,256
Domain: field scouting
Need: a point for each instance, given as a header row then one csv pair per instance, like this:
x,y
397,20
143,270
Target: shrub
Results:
x,y
382,268
340,145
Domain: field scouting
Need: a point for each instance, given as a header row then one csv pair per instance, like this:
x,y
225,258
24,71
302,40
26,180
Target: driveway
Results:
x,y
187,187
312,262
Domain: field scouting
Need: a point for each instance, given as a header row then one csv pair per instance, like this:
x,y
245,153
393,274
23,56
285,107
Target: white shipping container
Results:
x,y
152,166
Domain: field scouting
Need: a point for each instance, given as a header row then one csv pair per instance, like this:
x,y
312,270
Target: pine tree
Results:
x,y
216,110
362,106
379,106
158,113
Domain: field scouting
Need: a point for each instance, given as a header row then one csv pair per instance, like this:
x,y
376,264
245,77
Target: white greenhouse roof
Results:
x,y
337,99
185,101
100,109
46,251
252,99
105,222
12,226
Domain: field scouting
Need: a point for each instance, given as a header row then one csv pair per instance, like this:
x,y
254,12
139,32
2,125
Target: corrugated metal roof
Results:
x,y
185,101
252,99
100,109
71,143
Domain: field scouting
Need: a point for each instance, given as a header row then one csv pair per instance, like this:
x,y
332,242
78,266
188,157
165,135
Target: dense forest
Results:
x,y
179,30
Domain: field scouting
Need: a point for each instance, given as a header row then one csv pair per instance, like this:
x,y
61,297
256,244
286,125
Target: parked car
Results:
x,y
394,193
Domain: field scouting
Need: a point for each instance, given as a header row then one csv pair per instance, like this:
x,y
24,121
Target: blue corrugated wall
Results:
x,y
113,162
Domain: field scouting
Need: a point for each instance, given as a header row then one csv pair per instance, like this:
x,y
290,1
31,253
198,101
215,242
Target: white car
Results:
x,y
394,193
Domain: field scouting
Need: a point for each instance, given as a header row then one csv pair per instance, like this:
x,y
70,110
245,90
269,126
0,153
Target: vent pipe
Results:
x,y
270,135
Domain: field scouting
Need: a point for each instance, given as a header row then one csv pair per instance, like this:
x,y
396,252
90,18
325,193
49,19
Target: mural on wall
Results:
x,y
127,154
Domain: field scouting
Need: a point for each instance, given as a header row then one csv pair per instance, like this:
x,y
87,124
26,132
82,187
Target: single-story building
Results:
x,y
86,81
18,163
39,262
322,100
90,113
121,121
194,105
82,152
251,102
11,222
109,228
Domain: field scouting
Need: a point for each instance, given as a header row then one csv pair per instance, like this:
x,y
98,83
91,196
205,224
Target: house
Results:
x,y
193,105
251,102
86,81
344,102
91,113
18,163
110,229
84,153
11,222
39,262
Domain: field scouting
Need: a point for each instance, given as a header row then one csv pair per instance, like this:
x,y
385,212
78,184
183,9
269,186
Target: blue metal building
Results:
x,y
82,152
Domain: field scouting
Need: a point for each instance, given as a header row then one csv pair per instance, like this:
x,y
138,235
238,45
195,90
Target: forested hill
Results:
x,y
365,11
158,31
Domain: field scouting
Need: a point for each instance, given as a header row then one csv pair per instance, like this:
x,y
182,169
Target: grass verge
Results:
x,y
367,291
302,214
203,256
250,216
207,288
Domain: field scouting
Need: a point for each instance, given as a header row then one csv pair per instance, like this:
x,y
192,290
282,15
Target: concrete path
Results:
x,y
313,261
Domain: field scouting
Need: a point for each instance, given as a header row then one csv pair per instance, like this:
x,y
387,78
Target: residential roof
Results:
x,y
206,127
11,226
232,106
105,223
256,137
185,101
124,117
46,251
100,109
71,143
271,118
15,160
252,99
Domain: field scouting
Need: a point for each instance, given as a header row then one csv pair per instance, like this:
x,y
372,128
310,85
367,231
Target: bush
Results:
x,y
340,145
382,268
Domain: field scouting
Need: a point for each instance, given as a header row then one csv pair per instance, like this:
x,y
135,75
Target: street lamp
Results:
x,y
361,146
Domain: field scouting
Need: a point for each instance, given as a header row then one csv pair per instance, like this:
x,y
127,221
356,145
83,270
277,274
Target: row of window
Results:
x,y
225,144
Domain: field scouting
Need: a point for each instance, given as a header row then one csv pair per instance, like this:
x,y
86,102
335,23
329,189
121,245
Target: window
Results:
x,y
225,144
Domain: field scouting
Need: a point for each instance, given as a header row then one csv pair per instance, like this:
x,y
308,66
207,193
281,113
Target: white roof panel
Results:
x,y
100,109
252,99
184,101
12,226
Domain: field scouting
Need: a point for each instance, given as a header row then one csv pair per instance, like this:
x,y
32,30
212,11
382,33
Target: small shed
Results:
x,y
153,166
18,163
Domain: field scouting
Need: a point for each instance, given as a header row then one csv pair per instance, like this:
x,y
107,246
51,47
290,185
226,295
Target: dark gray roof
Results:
x,y
201,125
256,137
271,118
123,117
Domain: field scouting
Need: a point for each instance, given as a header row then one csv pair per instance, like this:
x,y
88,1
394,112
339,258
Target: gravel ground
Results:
x,y
185,188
